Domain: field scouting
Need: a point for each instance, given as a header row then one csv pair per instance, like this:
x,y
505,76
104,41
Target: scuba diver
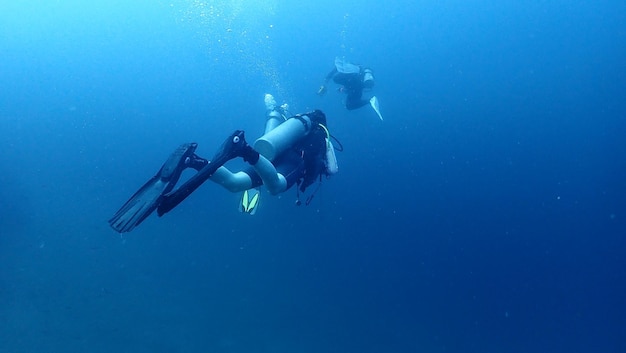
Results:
x,y
293,151
353,80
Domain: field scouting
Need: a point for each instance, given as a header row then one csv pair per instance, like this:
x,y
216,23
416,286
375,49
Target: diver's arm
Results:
x,y
322,90
330,75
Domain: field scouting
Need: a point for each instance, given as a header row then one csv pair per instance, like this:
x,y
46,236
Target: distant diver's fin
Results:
x,y
249,201
150,195
376,106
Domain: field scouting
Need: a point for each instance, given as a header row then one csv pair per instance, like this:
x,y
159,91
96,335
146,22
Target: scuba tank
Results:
x,y
282,137
368,78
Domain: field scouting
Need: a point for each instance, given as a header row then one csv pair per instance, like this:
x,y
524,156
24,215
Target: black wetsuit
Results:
x,y
352,85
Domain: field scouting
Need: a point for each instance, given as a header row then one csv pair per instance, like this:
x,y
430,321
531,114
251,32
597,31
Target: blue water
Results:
x,y
487,213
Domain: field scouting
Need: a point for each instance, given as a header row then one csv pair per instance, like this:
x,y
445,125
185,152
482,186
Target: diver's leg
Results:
x,y
274,181
354,101
233,182
274,114
274,118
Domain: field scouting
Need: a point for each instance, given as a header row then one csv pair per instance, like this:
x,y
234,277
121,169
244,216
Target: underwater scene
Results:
x,y
271,176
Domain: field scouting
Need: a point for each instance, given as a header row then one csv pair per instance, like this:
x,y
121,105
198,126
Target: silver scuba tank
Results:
x,y
282,137
368,78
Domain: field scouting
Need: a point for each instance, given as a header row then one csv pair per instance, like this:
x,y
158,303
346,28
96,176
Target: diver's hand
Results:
x,y
321,91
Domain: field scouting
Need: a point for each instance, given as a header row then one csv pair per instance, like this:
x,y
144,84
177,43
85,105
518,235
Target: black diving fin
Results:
x,y
150,195
234,146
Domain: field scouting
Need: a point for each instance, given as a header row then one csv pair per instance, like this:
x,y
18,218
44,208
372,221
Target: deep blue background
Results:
x,y
485,214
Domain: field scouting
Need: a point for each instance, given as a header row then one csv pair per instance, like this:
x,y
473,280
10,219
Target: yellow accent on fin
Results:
x,y
253,203
249,203
244,201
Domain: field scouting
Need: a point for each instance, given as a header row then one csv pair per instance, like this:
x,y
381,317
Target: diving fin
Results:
x,y
376,106
234,146
249,201
150,195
